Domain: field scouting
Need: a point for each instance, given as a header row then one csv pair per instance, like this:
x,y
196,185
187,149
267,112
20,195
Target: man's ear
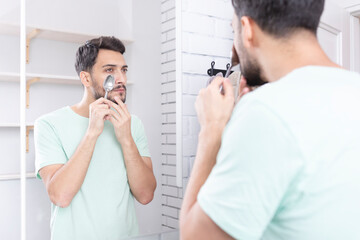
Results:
x,y
85,78
247,28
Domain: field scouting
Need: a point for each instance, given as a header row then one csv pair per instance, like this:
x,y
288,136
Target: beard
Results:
x,y
250,69
99,92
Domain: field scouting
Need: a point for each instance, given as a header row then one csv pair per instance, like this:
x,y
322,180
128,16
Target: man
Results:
x,y
93,157
287,164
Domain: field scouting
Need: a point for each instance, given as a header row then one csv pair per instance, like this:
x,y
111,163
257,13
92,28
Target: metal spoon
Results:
x,y
108,84
221,90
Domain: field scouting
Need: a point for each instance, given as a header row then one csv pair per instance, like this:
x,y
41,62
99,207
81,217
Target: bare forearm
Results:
x,y
208,147
67,181
214,110
140,176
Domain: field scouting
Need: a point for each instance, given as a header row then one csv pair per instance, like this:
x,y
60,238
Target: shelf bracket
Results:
x,y
28,83
28,128
30,36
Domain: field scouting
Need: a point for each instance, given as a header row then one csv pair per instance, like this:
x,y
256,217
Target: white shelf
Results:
x,y
9,29
47,78
44,78
14,125
7,177
9,77
52,34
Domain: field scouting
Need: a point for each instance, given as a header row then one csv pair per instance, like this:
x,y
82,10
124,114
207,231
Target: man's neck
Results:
x,y
279,58
82,108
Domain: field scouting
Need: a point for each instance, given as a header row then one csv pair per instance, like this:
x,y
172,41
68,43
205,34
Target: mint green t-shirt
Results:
x,y
104,206
289,163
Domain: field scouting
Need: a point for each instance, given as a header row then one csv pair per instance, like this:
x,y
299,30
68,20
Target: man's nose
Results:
x,y
120,78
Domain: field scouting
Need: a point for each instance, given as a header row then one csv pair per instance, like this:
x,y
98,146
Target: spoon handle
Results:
x,y
228,71
221,90
106,93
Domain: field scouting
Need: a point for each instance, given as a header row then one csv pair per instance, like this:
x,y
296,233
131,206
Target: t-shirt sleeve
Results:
x,y
140,138
48,148
257,162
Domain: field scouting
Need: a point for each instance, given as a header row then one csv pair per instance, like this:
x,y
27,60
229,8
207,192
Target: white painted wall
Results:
x,y
10,11
9,55
346,3
92,17
106,17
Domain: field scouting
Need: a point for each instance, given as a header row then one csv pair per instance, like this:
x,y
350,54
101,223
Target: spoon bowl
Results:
x,y
108,84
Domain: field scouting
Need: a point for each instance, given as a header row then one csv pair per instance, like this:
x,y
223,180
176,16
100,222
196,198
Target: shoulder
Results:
x,y
135,120
262,96
265,108
50,119
282,95
137,126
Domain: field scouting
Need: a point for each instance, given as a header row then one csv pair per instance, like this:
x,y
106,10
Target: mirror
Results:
x,y
55,30
52,53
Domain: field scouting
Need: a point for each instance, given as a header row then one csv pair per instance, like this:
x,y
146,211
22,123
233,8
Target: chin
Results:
x,y
123,99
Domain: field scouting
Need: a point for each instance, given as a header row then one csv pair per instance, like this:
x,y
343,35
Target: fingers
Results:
x,y
243,88
228,89
242,84
121,103
225,84
100,101
102,113
112,120
113,116
217,82
101,106
210,80
120,107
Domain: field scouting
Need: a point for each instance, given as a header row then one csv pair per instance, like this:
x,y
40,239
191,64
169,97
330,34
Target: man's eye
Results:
x,y
125,70
109,70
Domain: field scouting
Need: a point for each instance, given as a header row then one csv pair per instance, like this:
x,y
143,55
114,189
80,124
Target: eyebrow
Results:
x,y
114,65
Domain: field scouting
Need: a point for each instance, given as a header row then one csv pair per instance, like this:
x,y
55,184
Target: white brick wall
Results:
x,y
171,200
220,9
206,36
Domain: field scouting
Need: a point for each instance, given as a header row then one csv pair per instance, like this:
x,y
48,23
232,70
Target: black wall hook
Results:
x,y
213,71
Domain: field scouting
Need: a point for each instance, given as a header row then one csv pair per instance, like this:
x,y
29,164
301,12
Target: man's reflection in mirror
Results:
x,y
93,157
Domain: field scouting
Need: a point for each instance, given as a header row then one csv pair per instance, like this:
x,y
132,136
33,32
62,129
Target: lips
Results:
x,y
119,90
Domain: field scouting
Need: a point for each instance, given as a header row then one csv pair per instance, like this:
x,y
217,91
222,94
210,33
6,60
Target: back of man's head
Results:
x,y
281,18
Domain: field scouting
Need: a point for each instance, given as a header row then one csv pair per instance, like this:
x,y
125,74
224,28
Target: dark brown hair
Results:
x,y
281,17
86,54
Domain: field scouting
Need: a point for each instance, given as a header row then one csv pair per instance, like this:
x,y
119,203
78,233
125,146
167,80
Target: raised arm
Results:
x,y
63,181
139,169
